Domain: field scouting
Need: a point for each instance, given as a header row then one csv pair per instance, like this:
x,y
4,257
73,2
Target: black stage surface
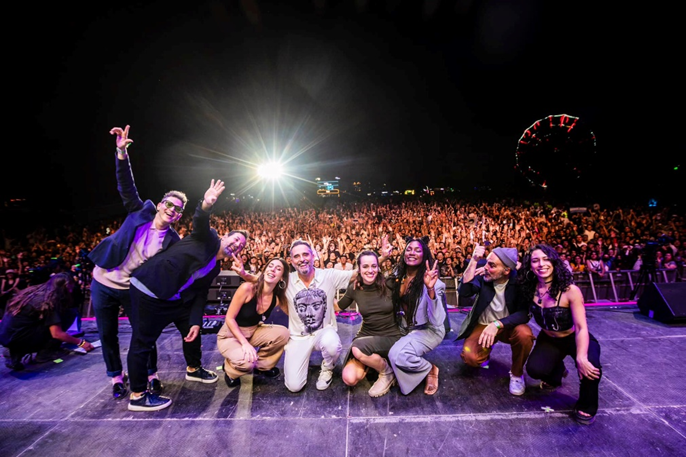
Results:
x,y
66,408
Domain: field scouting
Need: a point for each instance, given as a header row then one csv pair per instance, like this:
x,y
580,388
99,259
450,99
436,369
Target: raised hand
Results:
x,y
386,247
237,264
478,252
123,140
215,190
431,275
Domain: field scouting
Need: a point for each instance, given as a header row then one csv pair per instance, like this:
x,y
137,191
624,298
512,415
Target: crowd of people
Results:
x,y
339,230
390,256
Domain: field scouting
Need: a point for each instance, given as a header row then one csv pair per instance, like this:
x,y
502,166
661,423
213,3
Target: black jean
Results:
x,y
546,363
153,316
106,302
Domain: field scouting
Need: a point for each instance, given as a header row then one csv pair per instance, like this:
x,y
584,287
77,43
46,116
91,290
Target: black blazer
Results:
x,y
519,311
165,273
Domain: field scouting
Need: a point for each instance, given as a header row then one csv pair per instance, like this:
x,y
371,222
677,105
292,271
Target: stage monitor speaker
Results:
x,y
227,278
664,302
221,295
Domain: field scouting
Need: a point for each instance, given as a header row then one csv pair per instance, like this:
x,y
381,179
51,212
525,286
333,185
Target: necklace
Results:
x,y
540,296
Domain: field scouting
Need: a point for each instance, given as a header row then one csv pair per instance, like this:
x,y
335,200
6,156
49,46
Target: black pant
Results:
x,y
106,302
153,316
546,363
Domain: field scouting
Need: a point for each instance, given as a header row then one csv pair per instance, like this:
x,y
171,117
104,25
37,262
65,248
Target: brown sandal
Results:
x,y
432,381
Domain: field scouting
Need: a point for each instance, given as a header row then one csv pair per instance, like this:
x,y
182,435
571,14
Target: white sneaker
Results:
x,y
325,378
517,385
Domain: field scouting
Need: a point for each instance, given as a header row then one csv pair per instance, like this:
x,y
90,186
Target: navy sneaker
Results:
x,y
149,402
202,375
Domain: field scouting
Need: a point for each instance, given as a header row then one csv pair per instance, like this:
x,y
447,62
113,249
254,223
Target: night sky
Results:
x,y
406,93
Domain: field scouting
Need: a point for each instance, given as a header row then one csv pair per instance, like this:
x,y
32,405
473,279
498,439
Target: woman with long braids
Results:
x,y
36,319
244,330
418,297
379,331
558,307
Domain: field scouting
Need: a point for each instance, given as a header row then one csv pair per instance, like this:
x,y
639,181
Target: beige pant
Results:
x,y
269,341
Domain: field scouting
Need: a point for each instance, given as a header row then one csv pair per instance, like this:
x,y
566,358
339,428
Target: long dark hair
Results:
x,y
528,281
278,291
53,295
379,282
416,287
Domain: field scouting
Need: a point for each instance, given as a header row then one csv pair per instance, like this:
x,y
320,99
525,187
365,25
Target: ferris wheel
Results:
x,y
555,151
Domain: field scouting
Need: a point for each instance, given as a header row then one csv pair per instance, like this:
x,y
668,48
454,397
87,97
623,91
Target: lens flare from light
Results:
x,y
270,171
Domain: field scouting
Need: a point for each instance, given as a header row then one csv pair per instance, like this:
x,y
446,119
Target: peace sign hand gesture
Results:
x,y
431,275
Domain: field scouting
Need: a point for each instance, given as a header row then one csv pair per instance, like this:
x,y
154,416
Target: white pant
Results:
x,y
298,351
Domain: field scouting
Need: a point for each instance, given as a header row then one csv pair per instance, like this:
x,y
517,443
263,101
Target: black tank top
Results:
x,y
557,319
247,316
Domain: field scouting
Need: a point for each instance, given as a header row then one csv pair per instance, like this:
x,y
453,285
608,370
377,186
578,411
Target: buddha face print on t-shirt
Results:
x,y
310,304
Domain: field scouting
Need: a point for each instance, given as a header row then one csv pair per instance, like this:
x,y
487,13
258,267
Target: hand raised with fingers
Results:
x,y
214,191
479,252
431,275
123,140
237,264
386,247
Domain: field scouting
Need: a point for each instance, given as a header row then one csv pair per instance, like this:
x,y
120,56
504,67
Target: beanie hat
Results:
x,y
508,256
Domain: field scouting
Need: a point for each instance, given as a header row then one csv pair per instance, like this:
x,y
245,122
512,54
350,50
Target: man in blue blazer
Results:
x,y
145,232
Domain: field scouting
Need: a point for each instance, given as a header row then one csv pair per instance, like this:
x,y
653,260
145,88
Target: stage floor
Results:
x,y
66,408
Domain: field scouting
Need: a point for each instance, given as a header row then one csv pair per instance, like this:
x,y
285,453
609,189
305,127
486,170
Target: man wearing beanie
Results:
x,y
497,314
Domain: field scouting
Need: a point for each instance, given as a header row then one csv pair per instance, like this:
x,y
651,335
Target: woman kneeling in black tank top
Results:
x,y
558,307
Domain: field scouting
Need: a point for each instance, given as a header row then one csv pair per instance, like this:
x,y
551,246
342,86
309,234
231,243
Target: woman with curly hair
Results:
x,y
418,297
37,318
558,307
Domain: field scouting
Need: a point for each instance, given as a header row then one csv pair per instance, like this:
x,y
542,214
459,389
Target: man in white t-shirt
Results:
x,y
311,318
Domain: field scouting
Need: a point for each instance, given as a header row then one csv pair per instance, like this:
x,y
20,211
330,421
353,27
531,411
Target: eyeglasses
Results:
x,y
170,205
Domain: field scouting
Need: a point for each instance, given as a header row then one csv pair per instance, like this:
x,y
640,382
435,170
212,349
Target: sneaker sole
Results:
x,y
518,394
204,381
149,408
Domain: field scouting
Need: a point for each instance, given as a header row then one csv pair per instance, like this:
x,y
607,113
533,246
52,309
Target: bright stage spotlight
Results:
x,y
270,170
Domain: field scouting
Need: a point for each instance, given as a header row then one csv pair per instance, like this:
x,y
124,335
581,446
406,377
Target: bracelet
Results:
x,y
82,343
498,325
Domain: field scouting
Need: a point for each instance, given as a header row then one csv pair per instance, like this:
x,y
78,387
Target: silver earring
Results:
x,y
282,284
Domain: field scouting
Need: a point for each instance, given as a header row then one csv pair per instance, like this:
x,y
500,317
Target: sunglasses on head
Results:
x,y
170,205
